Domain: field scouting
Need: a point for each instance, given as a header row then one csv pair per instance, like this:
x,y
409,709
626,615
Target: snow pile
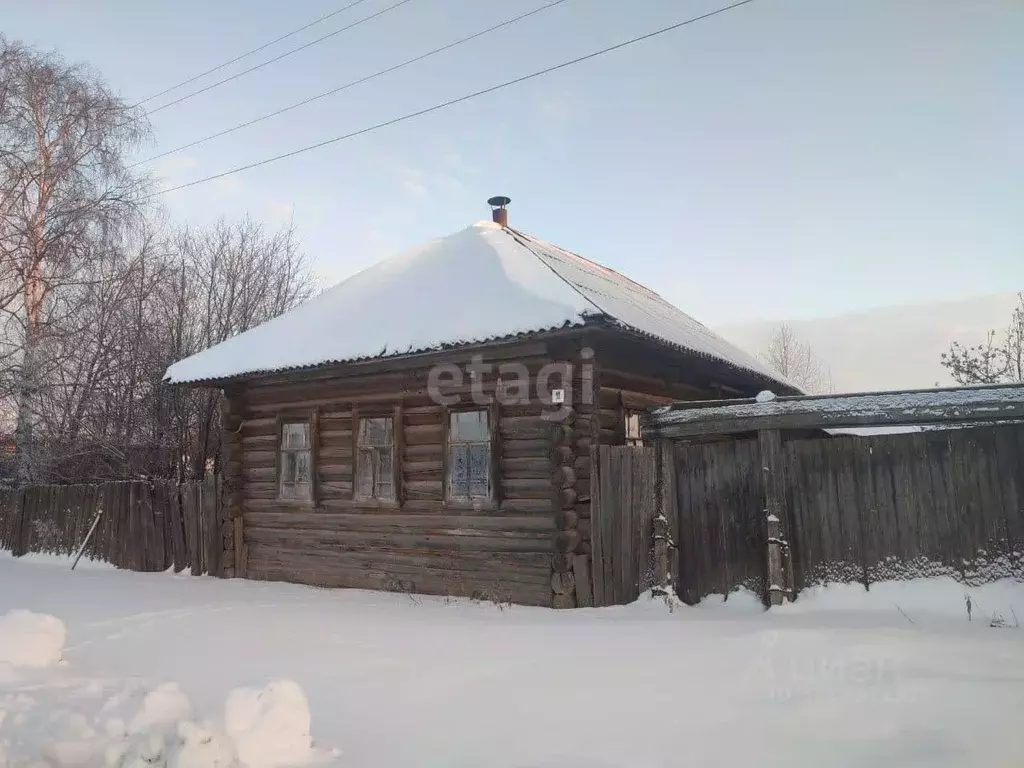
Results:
x,y
164,704
269,726
30,639
766,396
263,728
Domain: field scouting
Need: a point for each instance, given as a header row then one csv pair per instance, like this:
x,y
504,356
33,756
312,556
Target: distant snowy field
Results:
x,y
173,670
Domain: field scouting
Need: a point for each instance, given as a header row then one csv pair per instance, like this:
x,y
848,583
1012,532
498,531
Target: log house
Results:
x,y
378,436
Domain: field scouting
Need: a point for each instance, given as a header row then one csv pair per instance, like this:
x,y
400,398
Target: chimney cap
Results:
x,y
499,202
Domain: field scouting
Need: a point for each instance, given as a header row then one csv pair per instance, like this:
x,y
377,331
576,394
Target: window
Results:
x,y
469,455
375,460
294,462
633,428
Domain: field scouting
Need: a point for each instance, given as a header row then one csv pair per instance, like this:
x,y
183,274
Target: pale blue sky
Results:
x,y
791,158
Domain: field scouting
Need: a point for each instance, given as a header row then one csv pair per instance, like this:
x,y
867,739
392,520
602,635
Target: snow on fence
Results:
x,y
897,506
149,525
777,515
865,509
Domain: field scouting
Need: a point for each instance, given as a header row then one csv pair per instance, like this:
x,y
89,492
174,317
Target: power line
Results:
x,y
339,89
284,55
248,53
452,102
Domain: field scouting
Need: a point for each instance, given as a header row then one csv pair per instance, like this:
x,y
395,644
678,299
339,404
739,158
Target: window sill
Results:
x,y
470,505
386,504
307,503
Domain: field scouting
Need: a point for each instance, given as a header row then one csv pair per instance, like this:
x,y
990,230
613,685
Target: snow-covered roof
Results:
x,y
482,284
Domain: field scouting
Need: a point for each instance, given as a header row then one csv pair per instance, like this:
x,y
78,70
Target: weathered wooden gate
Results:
x,y
624,502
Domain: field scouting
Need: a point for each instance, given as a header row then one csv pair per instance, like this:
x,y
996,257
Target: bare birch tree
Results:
x,y
98,297
67,193
998,359
796,360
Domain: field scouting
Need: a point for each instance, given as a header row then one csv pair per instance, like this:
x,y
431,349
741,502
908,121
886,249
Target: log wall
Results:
x,y
420,542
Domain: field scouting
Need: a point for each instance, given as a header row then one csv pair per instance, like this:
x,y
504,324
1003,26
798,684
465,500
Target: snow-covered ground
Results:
x,y
197,671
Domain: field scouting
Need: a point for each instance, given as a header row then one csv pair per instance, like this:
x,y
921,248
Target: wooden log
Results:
x,y
399,523
563,582
563,601
581,573
567,418
567,541
561,561
529,466
563,476
566,519
528,488
515,448
563,498
562,454
427,433
312,541
523,427
522,568
561,435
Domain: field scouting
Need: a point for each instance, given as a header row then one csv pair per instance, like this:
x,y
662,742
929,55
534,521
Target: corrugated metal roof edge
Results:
x,y
590,321
258,372
683,348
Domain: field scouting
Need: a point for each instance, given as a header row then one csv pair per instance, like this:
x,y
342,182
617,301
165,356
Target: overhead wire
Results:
x,y
249,53
458,100
277,58
353,83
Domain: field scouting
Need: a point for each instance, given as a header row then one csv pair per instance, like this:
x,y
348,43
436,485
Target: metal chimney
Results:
x,y
498,213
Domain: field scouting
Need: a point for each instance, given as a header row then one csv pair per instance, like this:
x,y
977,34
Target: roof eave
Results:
x,y
241,378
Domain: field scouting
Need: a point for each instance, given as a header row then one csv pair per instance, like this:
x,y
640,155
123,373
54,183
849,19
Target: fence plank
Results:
x,y
211,531
192,522
177,516
1009,467
598,514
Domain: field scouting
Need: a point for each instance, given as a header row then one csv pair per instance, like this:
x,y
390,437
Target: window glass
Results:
x,y
375,458
469,455
294,480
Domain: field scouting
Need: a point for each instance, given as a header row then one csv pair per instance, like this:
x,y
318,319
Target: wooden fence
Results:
x,y
622,488
719,531
144,526
892,506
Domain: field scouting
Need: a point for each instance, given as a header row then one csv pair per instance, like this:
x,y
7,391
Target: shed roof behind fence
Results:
x,y
953,405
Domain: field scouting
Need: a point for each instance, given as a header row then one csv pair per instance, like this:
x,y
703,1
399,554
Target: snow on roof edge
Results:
x,y
257,372
591,320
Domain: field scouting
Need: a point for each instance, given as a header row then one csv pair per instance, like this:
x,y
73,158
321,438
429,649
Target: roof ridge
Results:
x,y
597,264
524,240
